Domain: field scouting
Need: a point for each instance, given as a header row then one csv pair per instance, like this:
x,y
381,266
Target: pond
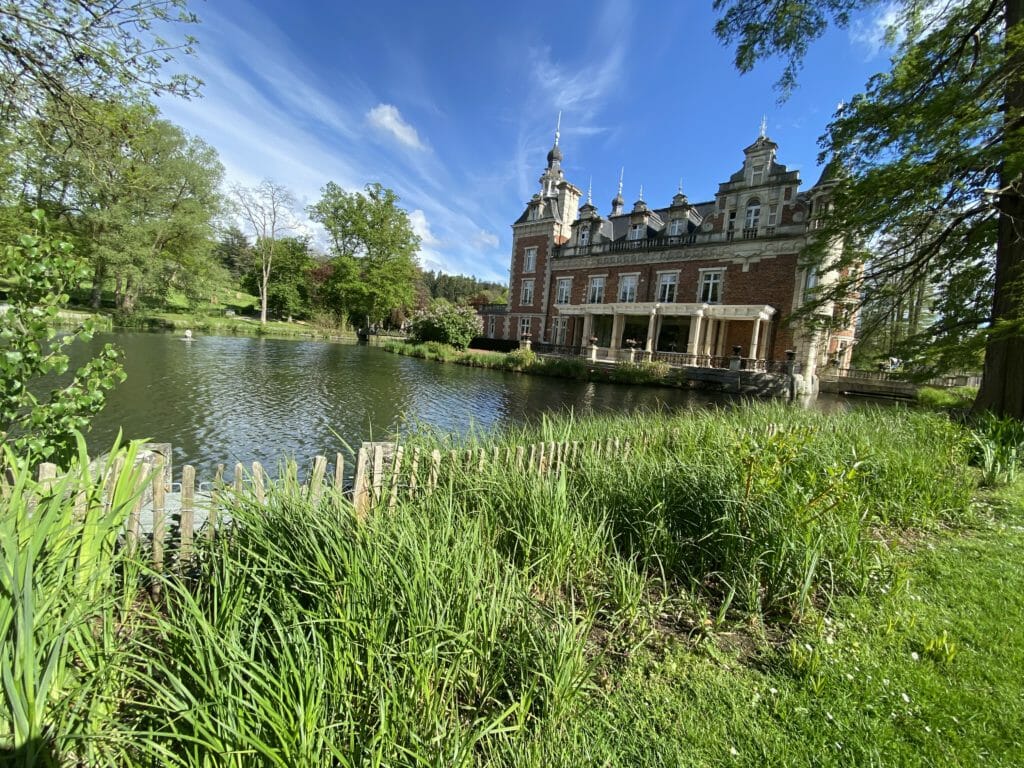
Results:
x,y
227,399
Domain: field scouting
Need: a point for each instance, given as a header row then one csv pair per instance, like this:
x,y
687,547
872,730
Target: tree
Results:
x,y
446,323
38,273
138,195
374,251
929,163
234,252
288,292
53,50
266,211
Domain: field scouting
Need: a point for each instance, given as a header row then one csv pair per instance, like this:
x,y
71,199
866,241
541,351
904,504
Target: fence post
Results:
x,y
159,522
134,521
316,479
188,506
361,490
258,485
413,470
239,478
215,494
339,472
377,482
47,476
435,468
396,469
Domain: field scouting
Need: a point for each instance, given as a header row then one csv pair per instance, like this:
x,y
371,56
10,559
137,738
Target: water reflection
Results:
x,y
228,399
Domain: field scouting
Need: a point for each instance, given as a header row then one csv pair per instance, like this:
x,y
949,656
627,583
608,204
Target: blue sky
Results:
x,y
453,105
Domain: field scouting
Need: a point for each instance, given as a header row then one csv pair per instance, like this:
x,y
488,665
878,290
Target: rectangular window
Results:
x,y
675,227
810,284
584,237
637,231
524,326
771,216
526,294
710,287
529,260
667,284
491,324
627,288
563,290
753,218
595,293
757,175
561,325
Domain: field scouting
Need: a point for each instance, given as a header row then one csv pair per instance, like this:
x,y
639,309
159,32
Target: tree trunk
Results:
x,y
96,299
128,300
118,294
1002,385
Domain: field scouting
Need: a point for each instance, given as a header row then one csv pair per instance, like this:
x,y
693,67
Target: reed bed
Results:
x,y
462,626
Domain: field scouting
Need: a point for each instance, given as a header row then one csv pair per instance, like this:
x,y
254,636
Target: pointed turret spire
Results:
x,y
590,190
619,201
558,127
764,127
641,193
679,189
555,155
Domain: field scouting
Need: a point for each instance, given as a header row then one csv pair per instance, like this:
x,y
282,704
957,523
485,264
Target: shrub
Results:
x,y
446,323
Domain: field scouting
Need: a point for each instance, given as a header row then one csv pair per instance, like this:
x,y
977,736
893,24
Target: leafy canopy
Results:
x,y
38,274
446,323
374,251
928,163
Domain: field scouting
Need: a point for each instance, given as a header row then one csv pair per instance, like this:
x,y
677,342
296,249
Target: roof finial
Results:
x,y
621,174
641,192
558,127
590,189
764,126
679,189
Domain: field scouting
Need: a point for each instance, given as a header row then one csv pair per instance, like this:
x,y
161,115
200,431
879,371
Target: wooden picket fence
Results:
x,y
385,474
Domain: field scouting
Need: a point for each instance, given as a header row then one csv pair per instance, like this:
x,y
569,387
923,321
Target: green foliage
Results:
x,y
39,272
462,289
947,397
374,252
446,323
998,449
288,291
537,620
61,663
927,162
136,193
61,49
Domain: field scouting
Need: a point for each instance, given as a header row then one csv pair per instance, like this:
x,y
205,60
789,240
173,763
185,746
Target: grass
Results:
x,y
754,586
527,361
950,398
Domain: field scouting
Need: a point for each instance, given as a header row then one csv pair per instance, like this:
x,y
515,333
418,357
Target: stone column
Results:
x,y
651,326
723,327
617,322
755,338
694,338
588,328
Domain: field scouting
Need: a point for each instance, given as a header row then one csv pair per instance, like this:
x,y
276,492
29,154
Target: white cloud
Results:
x,y
890,24
485,239
420,225
387,118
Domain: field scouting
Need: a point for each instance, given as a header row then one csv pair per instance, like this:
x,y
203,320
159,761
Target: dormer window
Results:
x,y
757,174
534,213
675,227
584,238
637,231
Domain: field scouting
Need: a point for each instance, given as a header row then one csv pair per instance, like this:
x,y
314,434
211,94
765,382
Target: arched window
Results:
x,y
753,217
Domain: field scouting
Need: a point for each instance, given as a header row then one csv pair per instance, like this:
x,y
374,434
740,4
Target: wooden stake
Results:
x,y
361,488
188,507
316,478
258,485
215,495
396,469
159,523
